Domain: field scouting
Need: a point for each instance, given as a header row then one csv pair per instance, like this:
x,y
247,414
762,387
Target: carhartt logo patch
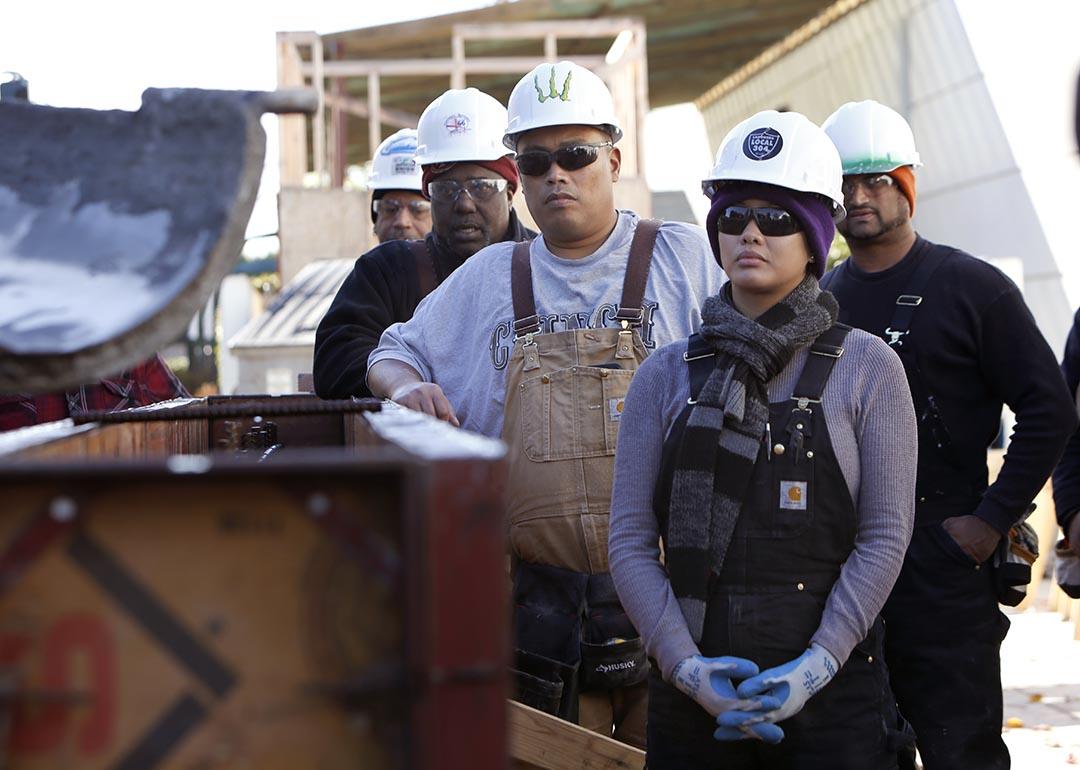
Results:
x,y
553,91
614,408
762,144
793,495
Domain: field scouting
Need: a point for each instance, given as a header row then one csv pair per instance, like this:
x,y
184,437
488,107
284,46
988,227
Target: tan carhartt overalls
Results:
x,y
564,399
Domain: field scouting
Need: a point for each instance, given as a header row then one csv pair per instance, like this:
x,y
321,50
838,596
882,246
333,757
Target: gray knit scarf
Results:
x,y
719,447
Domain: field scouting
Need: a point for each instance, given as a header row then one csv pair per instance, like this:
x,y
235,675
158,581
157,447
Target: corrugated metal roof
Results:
x,y
292,318
691,45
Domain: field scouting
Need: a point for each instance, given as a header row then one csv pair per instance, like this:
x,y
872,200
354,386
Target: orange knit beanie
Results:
x,y
905,177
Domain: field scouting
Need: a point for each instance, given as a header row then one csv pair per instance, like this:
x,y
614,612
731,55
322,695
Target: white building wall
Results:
x,y
1030,59
234,310
915,56
271,370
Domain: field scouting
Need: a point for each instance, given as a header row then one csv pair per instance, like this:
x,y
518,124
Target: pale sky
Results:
x,y
103,54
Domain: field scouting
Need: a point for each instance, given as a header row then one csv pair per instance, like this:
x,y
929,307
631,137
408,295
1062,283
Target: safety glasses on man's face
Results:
x,y
771,221
389,207
448,190
872,183
569,158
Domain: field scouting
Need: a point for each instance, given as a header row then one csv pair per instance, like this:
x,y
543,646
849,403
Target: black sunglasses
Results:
x,y
771,220
570,158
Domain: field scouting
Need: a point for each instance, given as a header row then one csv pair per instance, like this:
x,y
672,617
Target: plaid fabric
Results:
x,y
147,383
717,451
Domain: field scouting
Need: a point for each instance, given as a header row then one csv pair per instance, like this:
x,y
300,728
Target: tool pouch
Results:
x,y
612,653
549,605
618,663
546,684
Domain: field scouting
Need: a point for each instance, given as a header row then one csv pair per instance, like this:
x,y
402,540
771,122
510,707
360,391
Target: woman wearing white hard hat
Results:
x,y
772,455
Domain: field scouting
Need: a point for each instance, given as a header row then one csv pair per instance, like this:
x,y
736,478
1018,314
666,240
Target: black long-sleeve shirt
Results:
x,y
383,289
977,347
1067,473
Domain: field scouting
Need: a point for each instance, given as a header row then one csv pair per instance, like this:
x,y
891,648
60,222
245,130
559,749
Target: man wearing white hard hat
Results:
x,y
470,179
537,344
398,208
968,344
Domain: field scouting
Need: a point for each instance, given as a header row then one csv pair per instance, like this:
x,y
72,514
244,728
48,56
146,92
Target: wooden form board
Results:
x,y
539,741
335,608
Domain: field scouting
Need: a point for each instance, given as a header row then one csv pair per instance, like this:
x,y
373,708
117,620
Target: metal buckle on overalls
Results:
x,y
625,346
829,351
687,357
530,353
909,300
526,327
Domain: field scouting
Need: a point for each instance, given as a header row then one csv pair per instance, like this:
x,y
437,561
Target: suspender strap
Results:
x,y
824,354
912,297
637,272
700,360
525,319
425,267
630,310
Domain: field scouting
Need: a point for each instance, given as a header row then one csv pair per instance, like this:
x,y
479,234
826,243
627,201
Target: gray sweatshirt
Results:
x,y
461,335
871,422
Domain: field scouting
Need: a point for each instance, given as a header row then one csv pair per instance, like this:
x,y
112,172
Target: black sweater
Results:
x,y
1067,474
976,346
382,289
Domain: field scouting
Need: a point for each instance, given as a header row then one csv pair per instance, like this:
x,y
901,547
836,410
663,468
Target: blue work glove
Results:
x,y
788,686
708,681
762,731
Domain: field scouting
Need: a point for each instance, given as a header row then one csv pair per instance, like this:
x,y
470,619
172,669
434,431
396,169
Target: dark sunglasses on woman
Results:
x,y
771,220
570,158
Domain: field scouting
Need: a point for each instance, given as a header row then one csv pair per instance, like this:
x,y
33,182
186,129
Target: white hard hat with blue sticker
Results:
x,y
394,166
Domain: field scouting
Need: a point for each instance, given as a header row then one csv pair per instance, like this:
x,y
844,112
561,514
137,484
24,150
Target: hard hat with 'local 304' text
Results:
x,y
461,125
871,138
784,149
560,94
394,166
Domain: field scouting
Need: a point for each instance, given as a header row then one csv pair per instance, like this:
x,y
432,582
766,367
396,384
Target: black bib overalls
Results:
x,y
796,528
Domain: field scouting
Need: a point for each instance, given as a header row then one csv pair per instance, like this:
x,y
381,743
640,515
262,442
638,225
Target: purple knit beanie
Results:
x,y
812,211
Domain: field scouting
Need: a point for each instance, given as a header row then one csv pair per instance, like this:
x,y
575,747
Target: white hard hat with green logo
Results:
x,y
871,138
560,94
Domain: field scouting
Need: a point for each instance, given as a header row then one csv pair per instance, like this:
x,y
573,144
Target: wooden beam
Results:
x,y
318,122
292,139
457,50
539,741
374,112
339,140
519,30
359,108
488,65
